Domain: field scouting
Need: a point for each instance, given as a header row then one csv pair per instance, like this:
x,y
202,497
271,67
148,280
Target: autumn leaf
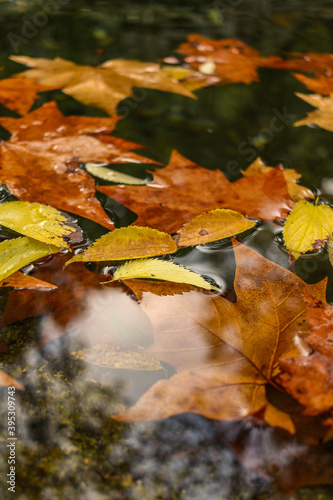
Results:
x,y
211,226
19,94
224,353
314,392
118,356
114,79
183,190
323,116
296,191
160,270
19,252
40,222
47,122
321,84
234,60
128,243
307,227
20,280
107,174
8,381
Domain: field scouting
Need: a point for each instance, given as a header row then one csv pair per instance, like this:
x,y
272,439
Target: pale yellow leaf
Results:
x,y
99,170
323,116
19,252
128,243
119,356
211,226
160,270
41,222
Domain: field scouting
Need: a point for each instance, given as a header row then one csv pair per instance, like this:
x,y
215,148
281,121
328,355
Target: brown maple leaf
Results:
x,y
232,60
19,94
183,190
103,86
224,353
314,392
39,163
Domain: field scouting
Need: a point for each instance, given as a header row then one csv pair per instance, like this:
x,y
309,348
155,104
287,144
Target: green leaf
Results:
x,y
211,226
119,356
307,227
160,270
107,174
128,243
41,222
19,252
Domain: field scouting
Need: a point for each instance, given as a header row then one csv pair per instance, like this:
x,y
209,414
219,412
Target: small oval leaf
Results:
x,y
211,226
119,356
128,243
41,222
99,170
19,252
160,270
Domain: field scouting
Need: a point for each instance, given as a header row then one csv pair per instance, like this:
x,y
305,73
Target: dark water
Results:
x,y
68,445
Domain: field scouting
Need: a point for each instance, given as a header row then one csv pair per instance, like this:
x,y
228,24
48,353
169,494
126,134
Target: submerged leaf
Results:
x,y
19,252
40,222
119,356
224,353
128,243
107,174
211,226
307,227
114,79
8,381
160,270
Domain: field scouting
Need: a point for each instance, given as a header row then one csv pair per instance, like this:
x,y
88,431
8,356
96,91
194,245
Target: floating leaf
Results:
x,y
211,226
19,94
107,174
40,222
20,252
296,191
119,356
114,79
323,116
20,280
307,227
183,190
160,270
128,243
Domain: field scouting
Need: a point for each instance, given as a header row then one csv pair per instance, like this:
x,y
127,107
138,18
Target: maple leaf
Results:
x,y
323,116
320,85
224,353
315,393
233,60
183,190
19,94
103,86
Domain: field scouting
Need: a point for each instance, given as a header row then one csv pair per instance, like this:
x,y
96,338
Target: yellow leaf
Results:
x,y
103,86
118,356
107,174
323,116
19,252
41,222
296,191
307,226
128,243
211,226
160,270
